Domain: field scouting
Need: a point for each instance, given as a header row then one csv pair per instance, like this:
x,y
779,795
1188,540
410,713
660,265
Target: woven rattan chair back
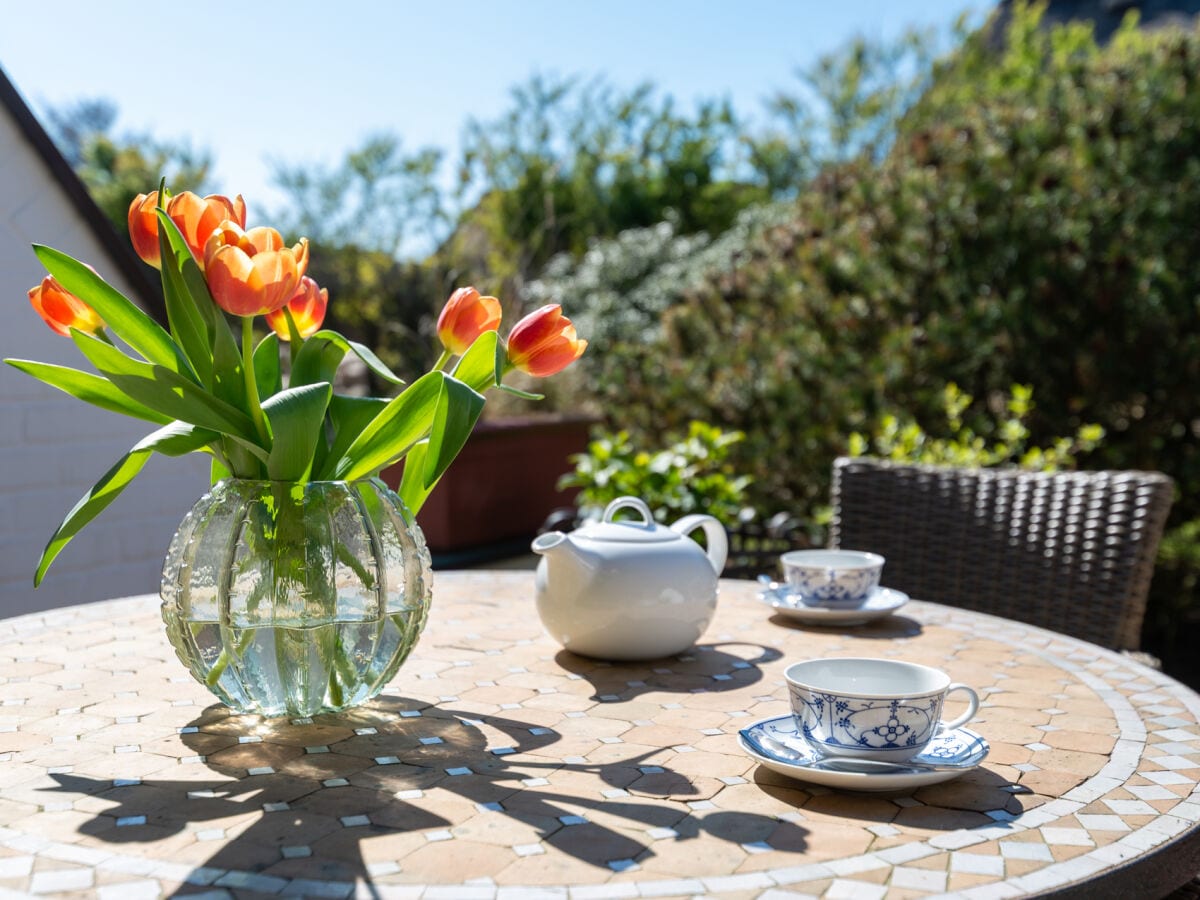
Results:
x,y
1068,551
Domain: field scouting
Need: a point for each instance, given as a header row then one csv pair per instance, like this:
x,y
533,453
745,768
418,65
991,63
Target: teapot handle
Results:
x,y
635,503
714,537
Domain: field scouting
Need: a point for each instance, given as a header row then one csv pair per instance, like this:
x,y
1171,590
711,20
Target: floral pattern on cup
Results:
x,y
832,577
884,709
831,721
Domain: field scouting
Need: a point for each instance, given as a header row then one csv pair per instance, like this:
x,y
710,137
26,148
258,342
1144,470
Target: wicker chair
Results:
x,y
1068,551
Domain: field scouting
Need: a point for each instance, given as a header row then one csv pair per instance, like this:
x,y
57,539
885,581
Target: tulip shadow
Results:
x,y
276,802
725,666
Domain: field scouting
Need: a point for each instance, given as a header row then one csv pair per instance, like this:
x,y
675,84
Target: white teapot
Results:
x,y
629,590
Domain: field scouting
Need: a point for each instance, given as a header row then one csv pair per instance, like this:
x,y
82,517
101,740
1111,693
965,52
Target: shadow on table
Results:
x,y
885,629
706,667
298,801
977,798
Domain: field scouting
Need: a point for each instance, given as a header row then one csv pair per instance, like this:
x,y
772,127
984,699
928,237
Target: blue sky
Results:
x,y
303,82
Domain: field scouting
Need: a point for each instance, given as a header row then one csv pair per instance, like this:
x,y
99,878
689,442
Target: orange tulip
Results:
x,y
143,228
252,273
307,307
61,310
465,317
544,342
196,217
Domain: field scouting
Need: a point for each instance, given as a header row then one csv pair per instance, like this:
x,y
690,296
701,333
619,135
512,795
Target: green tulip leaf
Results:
x,y
188,326
296,416
392,433
348,416
482,366
125,319
458,409
266,366
321,354
176,439
228,383
89,388
373,362
317,360
165,391
517,392
218,471
413,491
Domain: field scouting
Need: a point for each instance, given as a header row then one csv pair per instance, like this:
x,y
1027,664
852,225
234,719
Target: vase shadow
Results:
x,y
272,800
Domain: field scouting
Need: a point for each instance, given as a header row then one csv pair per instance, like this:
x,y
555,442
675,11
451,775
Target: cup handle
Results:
x,y
972,708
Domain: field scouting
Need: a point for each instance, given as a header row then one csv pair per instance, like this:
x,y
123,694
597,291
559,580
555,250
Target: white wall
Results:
x,y
53,447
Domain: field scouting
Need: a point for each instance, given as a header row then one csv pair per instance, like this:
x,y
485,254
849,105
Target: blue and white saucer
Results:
x,y
882,602
777,744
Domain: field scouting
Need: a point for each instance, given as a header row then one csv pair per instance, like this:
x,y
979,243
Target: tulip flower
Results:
x,y
544,342
465,317
196,217
252,273
307,307
62,310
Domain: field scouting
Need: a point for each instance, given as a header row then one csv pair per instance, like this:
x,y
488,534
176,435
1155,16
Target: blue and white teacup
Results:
x,y
882,709
835,578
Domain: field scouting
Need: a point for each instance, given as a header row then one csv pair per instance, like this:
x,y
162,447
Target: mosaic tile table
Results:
x,y
497,765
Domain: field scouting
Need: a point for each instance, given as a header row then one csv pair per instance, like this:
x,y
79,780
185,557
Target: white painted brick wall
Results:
x,y
52,447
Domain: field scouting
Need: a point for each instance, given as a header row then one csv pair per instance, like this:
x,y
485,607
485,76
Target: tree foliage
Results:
x,y
1033,223
115,168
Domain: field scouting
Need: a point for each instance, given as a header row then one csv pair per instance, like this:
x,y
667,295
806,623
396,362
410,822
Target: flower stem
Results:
x,y
256,413
442,360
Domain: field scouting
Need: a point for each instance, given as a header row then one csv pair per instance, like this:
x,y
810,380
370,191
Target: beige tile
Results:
x,y
455,861
683,821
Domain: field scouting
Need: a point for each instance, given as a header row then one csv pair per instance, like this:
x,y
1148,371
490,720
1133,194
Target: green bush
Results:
x,y
1035,222
692,475
998,438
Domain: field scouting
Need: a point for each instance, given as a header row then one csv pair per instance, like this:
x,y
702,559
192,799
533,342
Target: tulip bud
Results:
x,y
544,342
62,310
465,317
252,273
307,307
143,228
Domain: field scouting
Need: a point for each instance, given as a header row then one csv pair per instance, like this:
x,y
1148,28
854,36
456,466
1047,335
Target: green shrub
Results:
x,y
1034,223
998,439
692,475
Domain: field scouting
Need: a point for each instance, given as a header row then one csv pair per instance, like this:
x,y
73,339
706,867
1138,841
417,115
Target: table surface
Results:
x,y
495,763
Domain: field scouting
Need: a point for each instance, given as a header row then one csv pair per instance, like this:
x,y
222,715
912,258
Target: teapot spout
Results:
x,y
546,544
565,556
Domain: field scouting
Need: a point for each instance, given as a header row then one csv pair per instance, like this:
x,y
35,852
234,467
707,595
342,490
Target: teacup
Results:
x,y
838,578
882,709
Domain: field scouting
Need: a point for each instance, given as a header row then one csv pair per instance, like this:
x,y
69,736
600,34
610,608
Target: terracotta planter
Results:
x,y
501,487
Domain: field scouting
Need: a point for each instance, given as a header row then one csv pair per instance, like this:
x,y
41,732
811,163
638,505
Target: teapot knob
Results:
x,y
634,503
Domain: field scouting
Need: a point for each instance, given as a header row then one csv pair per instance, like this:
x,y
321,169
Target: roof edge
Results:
x,y
148,294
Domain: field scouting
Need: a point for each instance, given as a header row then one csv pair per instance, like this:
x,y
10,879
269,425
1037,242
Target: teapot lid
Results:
x,y
646,531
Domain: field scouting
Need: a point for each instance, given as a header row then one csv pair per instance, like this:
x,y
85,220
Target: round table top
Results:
x,y
496,764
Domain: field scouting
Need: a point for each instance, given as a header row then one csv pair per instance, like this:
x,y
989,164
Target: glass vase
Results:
x,y
296,599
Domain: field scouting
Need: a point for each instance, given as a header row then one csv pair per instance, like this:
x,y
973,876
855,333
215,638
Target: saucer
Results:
x,y
776,744
882,602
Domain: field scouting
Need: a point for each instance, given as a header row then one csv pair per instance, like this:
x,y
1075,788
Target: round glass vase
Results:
x,y
296,599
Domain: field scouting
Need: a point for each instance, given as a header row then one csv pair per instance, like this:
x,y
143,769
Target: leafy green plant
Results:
x,y
1001,439
1033,223
206,395
691,475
